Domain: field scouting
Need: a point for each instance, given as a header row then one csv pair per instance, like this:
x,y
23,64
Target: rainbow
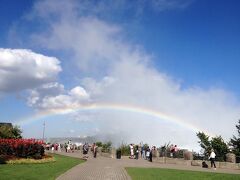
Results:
x,y
112,107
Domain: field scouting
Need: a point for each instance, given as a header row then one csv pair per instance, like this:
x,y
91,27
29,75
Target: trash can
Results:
x,y
118,154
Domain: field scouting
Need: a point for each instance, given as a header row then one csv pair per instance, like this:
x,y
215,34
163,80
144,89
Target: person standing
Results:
x,y
94,150
171,151
131,151
59,148
143,152
150,155
212,159
136,152
85,150
175,151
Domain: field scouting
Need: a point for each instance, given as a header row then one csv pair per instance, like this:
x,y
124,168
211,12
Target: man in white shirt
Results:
x,y
212,159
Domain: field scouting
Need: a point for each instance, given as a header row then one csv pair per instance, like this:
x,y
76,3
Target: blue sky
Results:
x,y
191,48
198,44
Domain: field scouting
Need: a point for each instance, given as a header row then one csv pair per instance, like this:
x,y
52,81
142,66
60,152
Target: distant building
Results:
x,y
6,124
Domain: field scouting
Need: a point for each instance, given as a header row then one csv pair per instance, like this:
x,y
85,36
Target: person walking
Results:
x,y
212,159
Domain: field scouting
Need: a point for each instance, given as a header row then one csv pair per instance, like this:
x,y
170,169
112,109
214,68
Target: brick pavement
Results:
x,y
103,168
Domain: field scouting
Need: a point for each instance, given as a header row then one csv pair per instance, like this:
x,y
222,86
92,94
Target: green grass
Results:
x,y
38,171
169,174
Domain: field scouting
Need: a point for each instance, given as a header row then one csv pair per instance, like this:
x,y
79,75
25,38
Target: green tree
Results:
x,y
220,148
235,141
216,143
9,132
204,142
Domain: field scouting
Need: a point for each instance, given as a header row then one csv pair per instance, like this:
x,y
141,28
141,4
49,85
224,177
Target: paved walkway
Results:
x,y
103,168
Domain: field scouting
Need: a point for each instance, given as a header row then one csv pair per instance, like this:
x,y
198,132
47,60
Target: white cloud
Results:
x,y
53,97
22,69
79,93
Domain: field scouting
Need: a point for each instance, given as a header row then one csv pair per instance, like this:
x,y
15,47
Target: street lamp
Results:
x,y
43,130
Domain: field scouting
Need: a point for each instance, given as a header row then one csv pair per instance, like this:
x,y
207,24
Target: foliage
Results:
x,y
220,148
198,156
216,143
46,171
145,146
179,153
125,150
169,174
164,150
3,159
22,148
9,132
99,144
235,141
106,147
204,142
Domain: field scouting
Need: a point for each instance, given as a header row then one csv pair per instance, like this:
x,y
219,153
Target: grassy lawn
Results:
x,y
38,171
157,173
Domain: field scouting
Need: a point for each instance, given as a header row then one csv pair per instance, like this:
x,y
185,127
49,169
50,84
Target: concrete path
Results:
x,y
102,168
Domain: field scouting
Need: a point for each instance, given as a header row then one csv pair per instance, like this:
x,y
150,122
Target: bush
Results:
x,y
99,144
22,148
3,159
125,150
107,147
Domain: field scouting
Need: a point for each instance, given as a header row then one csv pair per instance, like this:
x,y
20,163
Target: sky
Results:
x,y
153,71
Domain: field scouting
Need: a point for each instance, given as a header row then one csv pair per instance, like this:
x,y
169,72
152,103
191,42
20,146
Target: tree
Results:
x,y
235,141
204,142
220,148
10,132
216,143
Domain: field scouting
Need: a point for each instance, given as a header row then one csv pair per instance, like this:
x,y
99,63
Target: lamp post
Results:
x,y
43,130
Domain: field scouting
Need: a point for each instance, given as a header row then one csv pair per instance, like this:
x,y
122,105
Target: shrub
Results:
x,y
3,159
22,148
125,150
107,147
99,144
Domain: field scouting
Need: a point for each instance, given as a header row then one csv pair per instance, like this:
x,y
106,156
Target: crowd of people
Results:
x,y
145,152
68,147
136,151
